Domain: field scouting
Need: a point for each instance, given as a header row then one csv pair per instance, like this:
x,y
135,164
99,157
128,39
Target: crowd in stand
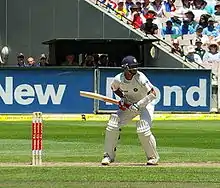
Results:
x,y
193,26
31,62
87,60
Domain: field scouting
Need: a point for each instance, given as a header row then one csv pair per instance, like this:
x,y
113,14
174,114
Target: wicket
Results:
x,y
37,135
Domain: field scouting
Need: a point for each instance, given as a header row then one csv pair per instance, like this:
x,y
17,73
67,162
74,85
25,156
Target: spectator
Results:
x,y
145,6
175,18
199,50
185,28
70,61
109,3
213,54
190,16
89,61
204,39
137,21
96,58
211,30
187,4
136,17
121,10
32,63
103,60
20,60
169,6
128,5
139,5
43,60
158,7
203,21
176,47
192,56
202,5
217,12
169,29
149,27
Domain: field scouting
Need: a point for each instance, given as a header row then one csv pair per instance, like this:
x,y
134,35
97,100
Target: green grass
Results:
x,y
64,141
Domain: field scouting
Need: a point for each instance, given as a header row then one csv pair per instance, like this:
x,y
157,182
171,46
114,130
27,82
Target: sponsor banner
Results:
x,y
177,89
45,90
104,118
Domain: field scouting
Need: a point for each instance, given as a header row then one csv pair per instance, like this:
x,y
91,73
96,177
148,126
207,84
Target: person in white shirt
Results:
x,y
192,57
137,96
213,55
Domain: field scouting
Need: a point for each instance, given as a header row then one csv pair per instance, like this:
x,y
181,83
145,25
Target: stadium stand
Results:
x,y
179,23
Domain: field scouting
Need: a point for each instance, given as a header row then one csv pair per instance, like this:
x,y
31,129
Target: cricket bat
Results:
x,y
98,97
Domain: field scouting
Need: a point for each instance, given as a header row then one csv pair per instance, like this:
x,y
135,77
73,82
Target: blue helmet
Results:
x,y
129,63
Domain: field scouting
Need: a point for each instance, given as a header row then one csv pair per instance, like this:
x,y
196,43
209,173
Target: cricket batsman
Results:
x,y
136,93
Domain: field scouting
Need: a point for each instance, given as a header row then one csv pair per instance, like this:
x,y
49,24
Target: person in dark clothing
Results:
x,y
149,27
199,50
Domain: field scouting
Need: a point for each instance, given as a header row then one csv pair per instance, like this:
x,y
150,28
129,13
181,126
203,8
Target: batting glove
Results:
x,y
134,108
122,105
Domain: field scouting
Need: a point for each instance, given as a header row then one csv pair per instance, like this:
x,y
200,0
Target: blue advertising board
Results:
x,y
45,90
177,89
55,90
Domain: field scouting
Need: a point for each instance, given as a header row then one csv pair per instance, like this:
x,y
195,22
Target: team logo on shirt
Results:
x,y
135,89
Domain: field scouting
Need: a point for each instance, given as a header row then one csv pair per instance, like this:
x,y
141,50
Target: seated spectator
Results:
x,y
139,5
145,6
199,50
169,6
169,29
103,60
187,4
121,10
204,38
70,61
32,63
190,16
128,5
89,61
175,18
213,54
217,12
43,60
185,28
203,21
149,27
176,47
20,60
136,17
158,7
109,3
192,56
96,58
137,21
156,19
211,30
203,5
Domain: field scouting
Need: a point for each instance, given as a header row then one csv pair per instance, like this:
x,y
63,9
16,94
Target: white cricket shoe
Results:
x,y
153,161
106,160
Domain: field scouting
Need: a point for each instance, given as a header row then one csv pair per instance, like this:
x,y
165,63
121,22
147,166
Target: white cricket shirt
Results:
x,y
135,89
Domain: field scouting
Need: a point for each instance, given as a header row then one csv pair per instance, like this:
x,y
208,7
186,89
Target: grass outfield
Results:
x,y
179,142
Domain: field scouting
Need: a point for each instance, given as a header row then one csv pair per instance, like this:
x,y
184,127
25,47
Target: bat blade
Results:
x,y
98,97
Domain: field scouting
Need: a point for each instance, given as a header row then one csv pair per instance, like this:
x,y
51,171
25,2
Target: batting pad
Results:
x,y
111,136
147,140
